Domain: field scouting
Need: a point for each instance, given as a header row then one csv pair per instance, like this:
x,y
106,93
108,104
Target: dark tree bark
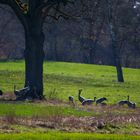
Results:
x,y
34,57
117,62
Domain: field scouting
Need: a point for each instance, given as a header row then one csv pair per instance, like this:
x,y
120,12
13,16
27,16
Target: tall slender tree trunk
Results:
x,y
34,57
117,62
114,41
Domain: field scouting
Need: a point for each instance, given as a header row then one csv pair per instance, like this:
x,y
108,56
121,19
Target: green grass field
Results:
x,y
67,78
40,110
66,136
61,80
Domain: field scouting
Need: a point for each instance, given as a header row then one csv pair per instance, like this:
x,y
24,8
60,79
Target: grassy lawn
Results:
x,y
40,110
66,136
63,79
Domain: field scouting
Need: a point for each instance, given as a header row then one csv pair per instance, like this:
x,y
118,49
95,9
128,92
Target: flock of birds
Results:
x,y
19,93
82,99
100,101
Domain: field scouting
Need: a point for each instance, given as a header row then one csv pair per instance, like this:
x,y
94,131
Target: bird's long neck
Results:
x,y
128,98
94,99
79,94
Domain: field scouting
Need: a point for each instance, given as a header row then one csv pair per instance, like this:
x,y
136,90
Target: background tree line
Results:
x,y
85,37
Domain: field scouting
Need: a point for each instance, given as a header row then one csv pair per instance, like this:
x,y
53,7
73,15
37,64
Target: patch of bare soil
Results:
x,y
7,97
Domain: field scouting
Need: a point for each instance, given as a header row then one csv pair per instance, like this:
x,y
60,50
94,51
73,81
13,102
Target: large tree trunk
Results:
x,y
34,56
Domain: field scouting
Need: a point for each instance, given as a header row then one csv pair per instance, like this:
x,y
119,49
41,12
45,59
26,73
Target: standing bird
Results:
x,y
21,91
16,92
101,100
88,101
81,99
130,104
123,102
1,93
71,100
127,102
